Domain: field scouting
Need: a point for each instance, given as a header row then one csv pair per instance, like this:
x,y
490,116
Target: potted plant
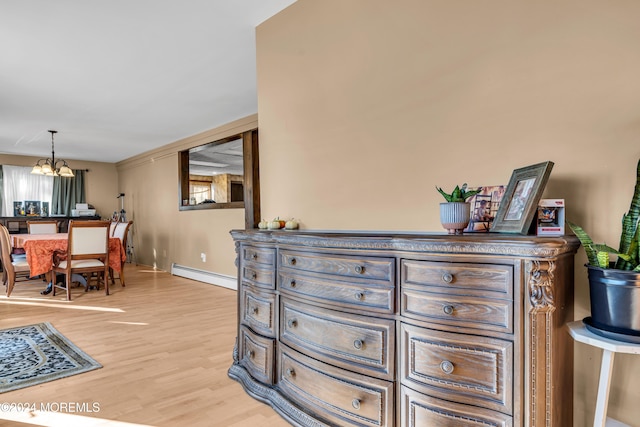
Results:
x,y
614,286
455,213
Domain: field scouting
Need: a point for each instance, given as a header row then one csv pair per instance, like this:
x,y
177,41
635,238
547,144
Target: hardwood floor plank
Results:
x,y
165,343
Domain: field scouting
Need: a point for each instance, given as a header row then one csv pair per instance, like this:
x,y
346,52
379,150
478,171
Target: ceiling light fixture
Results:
x,y
49,167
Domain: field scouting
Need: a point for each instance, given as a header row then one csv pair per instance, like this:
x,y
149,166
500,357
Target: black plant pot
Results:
x,y
615,303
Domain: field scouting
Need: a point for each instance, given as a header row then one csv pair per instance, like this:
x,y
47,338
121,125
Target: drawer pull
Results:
x,y
446,366
254,275
292,261
447,278
250,354
254,310
292,283
355,403
359,296
254,256
448,309
358,344
359,269
292,323
291,372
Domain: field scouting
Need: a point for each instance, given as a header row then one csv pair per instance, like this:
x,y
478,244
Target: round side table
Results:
x,y
609,347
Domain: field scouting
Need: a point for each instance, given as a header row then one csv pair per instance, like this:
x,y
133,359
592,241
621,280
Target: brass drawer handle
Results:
x,y
254,256
446,366
292,261
292,283
359,269
359,296
355,403
254,310
254,275
292,323
448,309
291,372
357,344
250,354
447,278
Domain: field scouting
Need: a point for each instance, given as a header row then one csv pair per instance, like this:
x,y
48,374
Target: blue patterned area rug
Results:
x,y
35,354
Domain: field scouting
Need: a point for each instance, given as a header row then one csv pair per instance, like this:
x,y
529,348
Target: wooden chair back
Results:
x,y
10,269
42,227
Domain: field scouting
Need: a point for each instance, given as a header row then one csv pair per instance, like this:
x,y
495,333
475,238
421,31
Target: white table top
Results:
x,y
580,333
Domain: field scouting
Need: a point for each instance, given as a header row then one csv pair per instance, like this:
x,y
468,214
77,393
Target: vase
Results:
x,y
455,216
615,303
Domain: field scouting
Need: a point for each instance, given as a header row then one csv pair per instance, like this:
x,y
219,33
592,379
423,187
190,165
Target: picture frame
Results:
x,y
484,207
45,209
32,207
520,202
17,209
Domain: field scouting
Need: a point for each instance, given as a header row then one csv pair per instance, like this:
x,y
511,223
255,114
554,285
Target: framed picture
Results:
x,y
18,210
32,207
484,208
520,201
45,209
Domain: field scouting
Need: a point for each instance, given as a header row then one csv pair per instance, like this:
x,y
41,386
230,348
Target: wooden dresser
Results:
x,y
384,329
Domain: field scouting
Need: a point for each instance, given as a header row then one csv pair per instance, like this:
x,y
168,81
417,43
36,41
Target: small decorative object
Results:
x,y
614,286
45,209
263,225
456,212
276,224
520,201
18,209
292,224
32,207
550,217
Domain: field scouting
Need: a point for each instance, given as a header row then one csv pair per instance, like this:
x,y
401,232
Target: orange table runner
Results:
x,y
39,250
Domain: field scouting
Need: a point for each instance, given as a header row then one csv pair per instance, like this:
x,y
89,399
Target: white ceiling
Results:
x,y
117,78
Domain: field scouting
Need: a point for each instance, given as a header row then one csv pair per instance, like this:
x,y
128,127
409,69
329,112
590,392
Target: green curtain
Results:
x,y
67,192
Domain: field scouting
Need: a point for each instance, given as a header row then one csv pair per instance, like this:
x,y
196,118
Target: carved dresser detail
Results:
x,y
382,329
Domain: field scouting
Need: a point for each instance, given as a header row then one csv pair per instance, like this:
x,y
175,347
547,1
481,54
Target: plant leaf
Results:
x,y
587,243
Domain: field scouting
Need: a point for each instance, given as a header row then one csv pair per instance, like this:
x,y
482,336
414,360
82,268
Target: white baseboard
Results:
x,y
615,423
225,281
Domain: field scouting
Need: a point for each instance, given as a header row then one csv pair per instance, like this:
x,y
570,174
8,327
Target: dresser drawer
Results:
x,y
459,278
257,255
463,368
361,296
256,354
258,310
381,269
258,276
341,397
462,311
419,410
354,342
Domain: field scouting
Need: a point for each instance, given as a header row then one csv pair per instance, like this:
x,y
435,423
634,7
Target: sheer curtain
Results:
x,y
18,185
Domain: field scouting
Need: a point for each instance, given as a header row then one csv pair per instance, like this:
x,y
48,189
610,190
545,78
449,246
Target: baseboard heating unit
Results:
x,y
205,276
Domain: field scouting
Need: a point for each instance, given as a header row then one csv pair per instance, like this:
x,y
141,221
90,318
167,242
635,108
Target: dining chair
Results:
x,y
121,231
87,252
11,268
42,227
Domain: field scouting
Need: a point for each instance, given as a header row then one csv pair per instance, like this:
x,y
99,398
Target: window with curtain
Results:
x,y
60,194
20,186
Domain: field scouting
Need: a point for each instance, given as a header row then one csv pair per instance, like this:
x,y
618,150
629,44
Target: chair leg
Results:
x,y
68,279
10,286
105,275
122,274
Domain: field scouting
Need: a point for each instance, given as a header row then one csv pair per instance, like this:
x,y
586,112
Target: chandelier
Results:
x,y
50,166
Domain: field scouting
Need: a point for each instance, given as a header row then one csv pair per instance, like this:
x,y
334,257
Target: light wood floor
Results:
x,y
165,344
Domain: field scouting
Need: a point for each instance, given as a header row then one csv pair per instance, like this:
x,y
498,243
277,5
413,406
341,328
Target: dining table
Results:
x,y
39,250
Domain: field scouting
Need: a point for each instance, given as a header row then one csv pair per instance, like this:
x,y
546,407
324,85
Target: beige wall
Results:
x,y
162,234
101,181
366,105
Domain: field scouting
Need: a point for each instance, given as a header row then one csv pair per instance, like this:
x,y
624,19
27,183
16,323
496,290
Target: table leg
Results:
x,y
606,369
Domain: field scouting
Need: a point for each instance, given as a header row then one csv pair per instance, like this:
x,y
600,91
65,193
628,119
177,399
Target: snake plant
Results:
x,y
459,194
628,252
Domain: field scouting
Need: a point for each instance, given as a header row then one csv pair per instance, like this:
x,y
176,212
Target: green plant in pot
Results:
x,y
614,285
455,213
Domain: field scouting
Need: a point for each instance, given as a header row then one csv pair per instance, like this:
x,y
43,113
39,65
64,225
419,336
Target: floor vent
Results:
x,y
205,276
